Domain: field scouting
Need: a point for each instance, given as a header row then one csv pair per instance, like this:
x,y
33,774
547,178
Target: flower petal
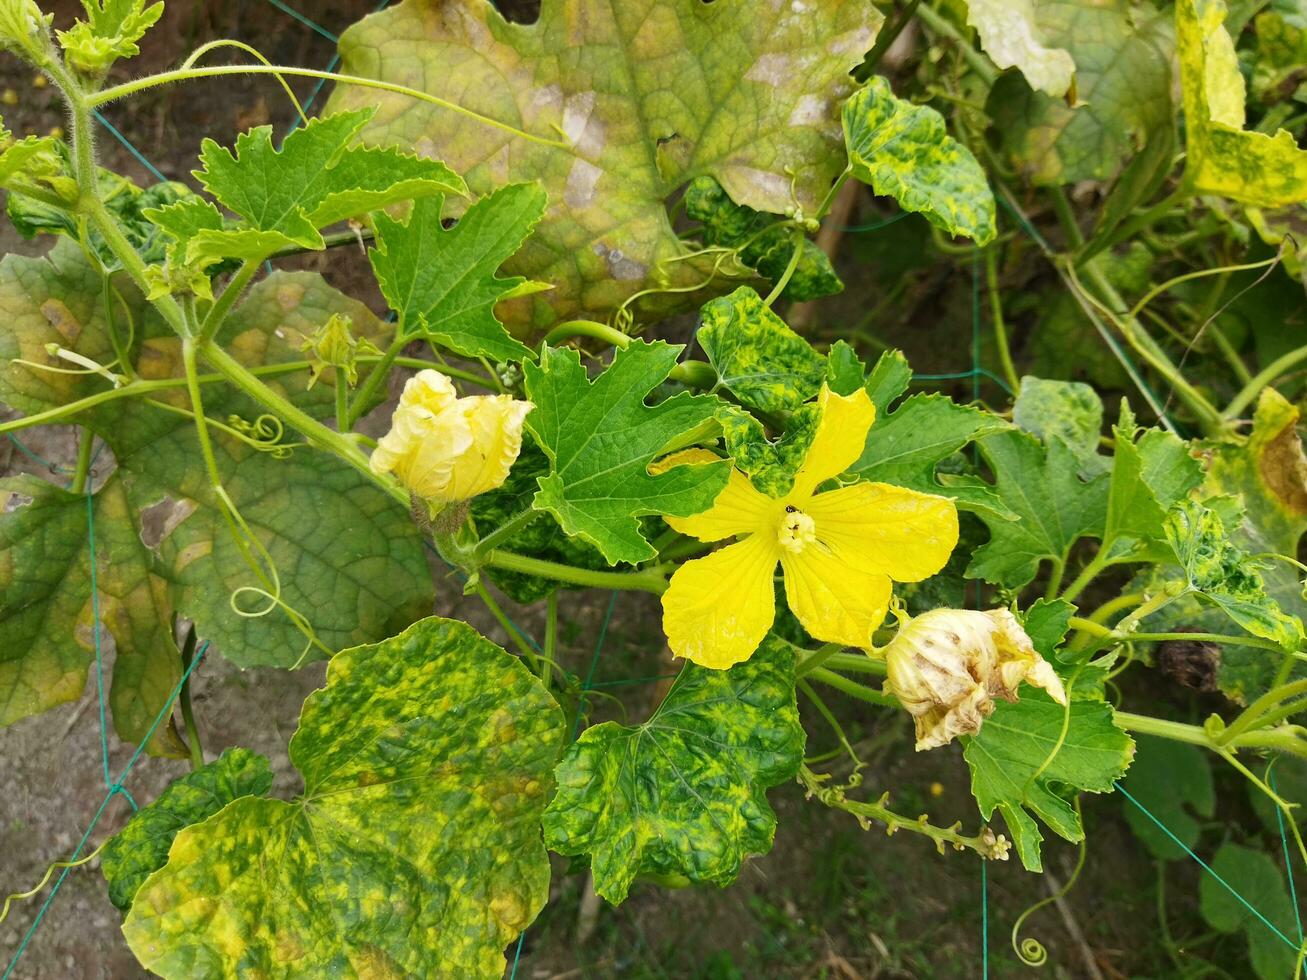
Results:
x,y
718,608
835,602
496,426
839,440
881,528
738,509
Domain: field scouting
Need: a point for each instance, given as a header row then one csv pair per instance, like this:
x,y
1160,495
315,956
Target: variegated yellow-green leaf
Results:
x,y
1123,54
415,849
683,794
47,613
109,32
1221,156
649,94
904,151
141,847
1011,37
758,358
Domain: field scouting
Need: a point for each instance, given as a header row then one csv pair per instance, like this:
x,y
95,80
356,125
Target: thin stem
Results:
x,y
1000,329
510,528
975,60
364,396
1224,270
1066,216
529,655
342,402
652,579
856,663
217,314
587,328
193,741
793,264
816,659
216,71
852,688
83,467
551,637
1262,379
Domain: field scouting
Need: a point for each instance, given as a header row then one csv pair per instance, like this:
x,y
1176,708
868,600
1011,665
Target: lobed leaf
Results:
x,y
601,438
684,793
109,32
1256,876
415,849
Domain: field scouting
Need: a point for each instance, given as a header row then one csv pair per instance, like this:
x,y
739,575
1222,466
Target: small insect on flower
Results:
x,y
840,550
947,666
444,448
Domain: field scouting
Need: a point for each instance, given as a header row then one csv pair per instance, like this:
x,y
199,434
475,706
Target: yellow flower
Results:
x,y
839,550
948,665
445,448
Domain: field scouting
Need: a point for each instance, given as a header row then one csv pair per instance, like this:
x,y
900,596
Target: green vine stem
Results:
x,y
188,711
82,469
692,374
1248,394
986,843
651,579
996,317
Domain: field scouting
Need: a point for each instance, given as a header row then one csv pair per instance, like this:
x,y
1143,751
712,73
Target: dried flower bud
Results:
x,y
444,448
947,666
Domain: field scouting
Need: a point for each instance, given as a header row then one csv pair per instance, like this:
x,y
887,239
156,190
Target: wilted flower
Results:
x,y
948,665
444,448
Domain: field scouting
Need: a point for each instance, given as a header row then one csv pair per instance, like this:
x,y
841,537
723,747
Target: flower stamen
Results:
x,y
797,531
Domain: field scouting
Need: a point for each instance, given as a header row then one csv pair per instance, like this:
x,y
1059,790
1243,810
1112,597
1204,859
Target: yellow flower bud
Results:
x,y
947,666
445,448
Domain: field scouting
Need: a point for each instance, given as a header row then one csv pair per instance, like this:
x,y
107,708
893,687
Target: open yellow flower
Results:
x,y
839,550
445,448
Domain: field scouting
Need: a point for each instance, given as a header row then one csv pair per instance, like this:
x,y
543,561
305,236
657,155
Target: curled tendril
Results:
x,y
1030,950
49,873
264,434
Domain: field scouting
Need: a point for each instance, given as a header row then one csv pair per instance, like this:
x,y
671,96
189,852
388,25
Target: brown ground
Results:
x,y
829,901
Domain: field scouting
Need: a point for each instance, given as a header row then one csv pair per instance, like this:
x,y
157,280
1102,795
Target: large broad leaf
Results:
x,y
601,438
907,446
1070,410
1011,768
442,282
415,849
904,151
1221,156
683,794
48,562
315,179
758,358
1122,54
1257,877
141,847
1173,782
648,95
1054,508
1011,37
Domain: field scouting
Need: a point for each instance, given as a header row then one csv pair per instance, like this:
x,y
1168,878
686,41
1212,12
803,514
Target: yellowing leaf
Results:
x,y
1010,36
905,151
1223,157
415,849
649,94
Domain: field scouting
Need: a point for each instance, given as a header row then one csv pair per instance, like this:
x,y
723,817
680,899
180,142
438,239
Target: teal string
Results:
x,y
116,789
1206,867
876,225
140,157
306,21
975,373
1284,843
984,919
38,460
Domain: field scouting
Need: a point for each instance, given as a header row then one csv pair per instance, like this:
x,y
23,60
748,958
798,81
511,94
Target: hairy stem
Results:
x,y
652,579
82,469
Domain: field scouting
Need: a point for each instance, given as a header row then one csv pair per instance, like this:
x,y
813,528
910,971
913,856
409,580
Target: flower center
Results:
x,y
797,531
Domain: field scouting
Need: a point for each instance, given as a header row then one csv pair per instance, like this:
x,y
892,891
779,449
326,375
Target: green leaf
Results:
x,y
1011,769
442,283
648,98
904,151
1222,573
1149,475
1011,37
758,358
1054,508
907,446
1256,876
1222,157
1067,409
141,847
1123,55
415,849
110,32
601,437
314,180
47,613
1173,782
683,794
24,29
770,464
888,379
